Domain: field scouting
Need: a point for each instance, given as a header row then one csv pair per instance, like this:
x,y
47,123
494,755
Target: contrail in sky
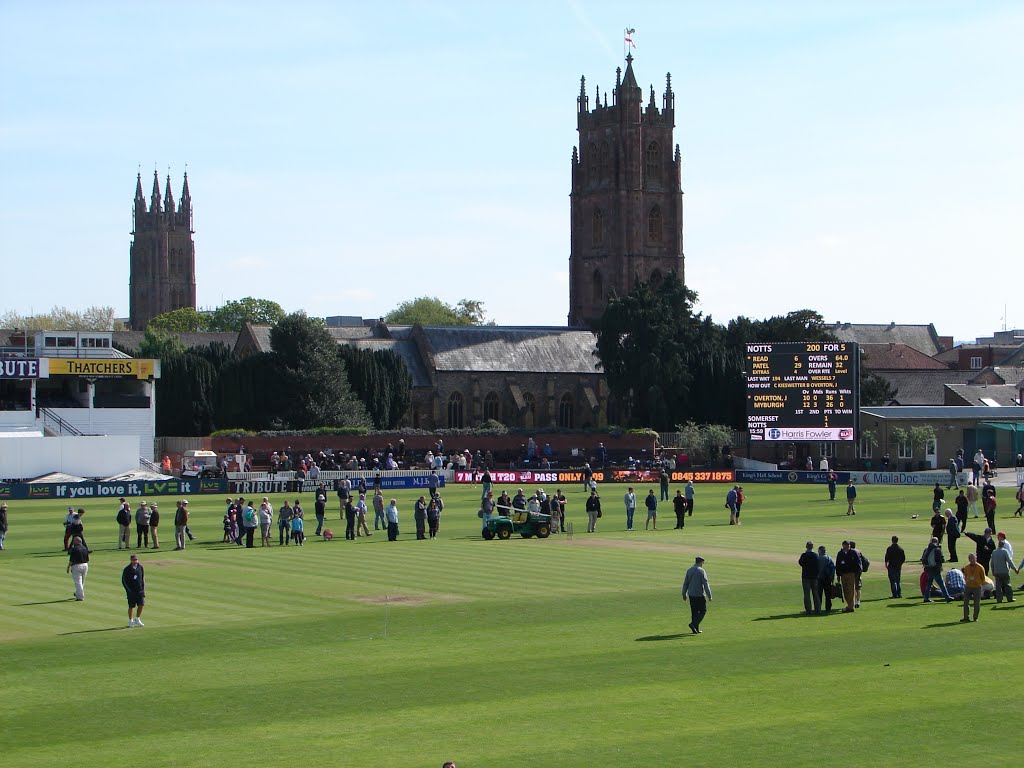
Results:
x,y
599,38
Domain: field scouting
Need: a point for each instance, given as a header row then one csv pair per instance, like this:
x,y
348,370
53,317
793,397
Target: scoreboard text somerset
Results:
x,y
802,391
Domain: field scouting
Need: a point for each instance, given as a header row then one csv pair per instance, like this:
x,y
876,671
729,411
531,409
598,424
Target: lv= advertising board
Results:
x,y
803,391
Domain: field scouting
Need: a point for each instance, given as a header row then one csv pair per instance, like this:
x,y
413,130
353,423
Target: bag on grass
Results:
x,y
837,590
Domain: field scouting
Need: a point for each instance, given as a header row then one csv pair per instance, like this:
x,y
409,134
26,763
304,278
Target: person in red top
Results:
x,y
974,577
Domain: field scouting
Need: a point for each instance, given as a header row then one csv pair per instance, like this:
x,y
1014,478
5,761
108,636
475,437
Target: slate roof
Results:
x,y
897,357
923,387
985,394
920,337
511,349
260,336
349,332
342,334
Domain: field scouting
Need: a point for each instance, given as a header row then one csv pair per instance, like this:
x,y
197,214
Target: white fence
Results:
x,y
86,456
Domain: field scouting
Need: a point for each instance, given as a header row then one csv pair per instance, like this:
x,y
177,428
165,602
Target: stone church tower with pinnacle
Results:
x,y
627,199
163,264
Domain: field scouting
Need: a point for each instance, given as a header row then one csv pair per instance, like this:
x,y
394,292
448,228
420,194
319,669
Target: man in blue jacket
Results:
x,y
731,498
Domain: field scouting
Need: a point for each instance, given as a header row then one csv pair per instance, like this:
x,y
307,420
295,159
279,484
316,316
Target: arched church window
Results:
x,y
598,226
654,224
530,411
606,161
598,286
566,412
653,162
455,411
492,407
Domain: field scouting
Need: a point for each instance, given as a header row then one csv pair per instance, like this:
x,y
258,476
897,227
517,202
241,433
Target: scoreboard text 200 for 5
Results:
x,y
803,391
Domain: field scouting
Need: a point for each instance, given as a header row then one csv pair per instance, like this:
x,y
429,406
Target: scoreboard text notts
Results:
x,y
803,391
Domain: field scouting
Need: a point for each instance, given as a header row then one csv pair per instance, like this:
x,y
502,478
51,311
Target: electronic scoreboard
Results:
x,y
803,391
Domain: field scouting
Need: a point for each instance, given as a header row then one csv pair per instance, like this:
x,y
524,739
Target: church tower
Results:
x,y
163,264
627,199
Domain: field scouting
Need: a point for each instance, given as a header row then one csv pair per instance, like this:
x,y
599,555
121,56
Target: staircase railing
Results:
x,y
62,426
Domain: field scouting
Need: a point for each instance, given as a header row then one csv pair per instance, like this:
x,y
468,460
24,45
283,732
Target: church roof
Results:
x,y
259,335
511,349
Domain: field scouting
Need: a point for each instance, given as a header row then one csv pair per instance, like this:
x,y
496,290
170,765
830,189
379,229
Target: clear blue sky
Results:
x,y
858,158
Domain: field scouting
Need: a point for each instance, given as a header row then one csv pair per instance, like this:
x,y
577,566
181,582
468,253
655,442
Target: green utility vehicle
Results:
x,y
526,524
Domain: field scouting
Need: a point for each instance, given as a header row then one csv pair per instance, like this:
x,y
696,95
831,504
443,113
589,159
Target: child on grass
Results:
x,y
297,534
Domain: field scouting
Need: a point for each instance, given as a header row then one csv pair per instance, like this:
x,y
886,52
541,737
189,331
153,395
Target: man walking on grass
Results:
x,y
124,522
133,579
826,578
78,566
679,507
895,557
1001,564
320,511
974,577
697,590
809,566
651,503
932,560
630,501
952,534
848,566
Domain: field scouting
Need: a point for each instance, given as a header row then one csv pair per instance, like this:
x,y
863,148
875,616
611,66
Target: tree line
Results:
x,y
668,365
307,380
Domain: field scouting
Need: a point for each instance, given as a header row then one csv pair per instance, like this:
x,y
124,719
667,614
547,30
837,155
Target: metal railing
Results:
x,y
62,427
149,465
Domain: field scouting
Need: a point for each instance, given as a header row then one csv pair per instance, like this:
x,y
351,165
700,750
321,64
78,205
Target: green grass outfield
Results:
x,y
520,653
